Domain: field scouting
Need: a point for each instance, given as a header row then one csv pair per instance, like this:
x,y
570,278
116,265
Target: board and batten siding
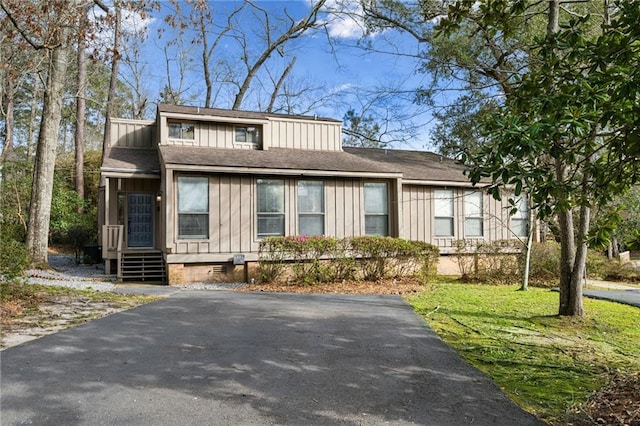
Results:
x,y
418,217
232,213
276,133
303,134
209,134
132,133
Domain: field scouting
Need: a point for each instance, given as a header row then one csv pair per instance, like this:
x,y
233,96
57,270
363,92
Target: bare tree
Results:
x,y
81,59
295,29
51,35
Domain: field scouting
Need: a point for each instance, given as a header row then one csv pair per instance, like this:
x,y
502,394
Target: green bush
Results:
x,y
316,259
494,262
545,264
13,257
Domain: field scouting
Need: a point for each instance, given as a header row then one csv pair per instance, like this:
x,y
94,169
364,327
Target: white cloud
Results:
x,y
343,18
341,88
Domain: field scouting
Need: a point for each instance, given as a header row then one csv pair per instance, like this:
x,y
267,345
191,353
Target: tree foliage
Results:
x,y
568,131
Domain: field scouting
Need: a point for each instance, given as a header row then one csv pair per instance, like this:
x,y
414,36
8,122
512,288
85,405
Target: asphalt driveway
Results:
x,y
222,358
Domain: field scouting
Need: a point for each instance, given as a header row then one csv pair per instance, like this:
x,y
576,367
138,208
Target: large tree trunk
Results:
x,y
573,255
42,187
80,118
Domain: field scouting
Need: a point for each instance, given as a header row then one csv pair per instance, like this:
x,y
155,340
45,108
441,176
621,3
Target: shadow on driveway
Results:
x,y
203,357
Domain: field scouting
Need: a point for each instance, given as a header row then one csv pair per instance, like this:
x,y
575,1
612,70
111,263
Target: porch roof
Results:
x,y
415,165
131,160
283,159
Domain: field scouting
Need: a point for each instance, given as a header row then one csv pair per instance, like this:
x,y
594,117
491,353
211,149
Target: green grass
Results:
x,y
545,363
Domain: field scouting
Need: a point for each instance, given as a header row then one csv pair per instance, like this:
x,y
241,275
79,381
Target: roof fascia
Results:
x,y
273,171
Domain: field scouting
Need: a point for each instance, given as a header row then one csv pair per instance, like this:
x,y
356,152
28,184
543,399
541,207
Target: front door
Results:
x,y
140,220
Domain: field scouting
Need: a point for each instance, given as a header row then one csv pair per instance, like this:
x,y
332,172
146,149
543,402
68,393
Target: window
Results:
x,y
376,208
193,207
520,220
473,220
270,207
248,135
443,212
310,207
181,131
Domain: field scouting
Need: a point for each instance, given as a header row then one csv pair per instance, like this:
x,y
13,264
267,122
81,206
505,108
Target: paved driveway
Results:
x,y
627,297
224,358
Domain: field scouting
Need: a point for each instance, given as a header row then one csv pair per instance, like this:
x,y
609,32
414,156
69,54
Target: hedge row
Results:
x,y
316,259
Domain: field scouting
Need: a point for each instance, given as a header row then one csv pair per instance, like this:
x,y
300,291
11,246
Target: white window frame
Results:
x,y
473,213
442,213
247,135
279,212
520,219
317,213
190,213
378,212
183,130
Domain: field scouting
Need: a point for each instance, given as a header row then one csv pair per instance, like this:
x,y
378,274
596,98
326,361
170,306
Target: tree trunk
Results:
x,y
42,187
113,80
527,258
278,86
7,101
80,118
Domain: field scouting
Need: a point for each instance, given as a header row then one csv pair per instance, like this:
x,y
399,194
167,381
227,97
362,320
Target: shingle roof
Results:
x,y
138,160
414,165
274,158
217,112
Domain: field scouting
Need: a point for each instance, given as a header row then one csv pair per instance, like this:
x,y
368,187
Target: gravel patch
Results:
x,y
67,273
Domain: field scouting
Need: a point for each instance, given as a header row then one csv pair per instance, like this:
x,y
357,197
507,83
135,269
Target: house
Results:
x,y
189,196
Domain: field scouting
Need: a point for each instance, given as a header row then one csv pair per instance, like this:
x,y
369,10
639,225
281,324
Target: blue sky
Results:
x,y
341,75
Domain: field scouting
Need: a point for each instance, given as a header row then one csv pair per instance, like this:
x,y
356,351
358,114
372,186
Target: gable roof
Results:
x,y
274,159
414,165
218,112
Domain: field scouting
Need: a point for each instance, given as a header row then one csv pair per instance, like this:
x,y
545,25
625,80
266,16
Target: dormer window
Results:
x,y
178,130
248,134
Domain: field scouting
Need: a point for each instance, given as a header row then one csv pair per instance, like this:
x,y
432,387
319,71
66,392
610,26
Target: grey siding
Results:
x,y
418,217
301,134
132,133
232,214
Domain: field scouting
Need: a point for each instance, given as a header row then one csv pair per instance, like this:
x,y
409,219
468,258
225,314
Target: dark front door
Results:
x,y
140,220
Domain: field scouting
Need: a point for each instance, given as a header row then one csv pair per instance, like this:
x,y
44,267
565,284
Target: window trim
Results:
x,y
475,218
321,214
386,215
281,213
183,125
257,134
449,218
207,234
520,216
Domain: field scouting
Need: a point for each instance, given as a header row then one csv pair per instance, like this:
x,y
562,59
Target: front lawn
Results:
x,y
548,364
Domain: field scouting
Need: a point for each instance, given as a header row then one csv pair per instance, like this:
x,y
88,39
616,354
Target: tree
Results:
x,y
246,49
361,130
49,33
567,133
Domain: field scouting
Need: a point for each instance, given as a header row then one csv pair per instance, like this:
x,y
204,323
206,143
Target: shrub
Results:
x,y
315,259
493,262
13,257
544,267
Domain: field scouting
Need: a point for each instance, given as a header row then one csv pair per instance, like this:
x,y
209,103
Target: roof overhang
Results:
x,y
281,172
